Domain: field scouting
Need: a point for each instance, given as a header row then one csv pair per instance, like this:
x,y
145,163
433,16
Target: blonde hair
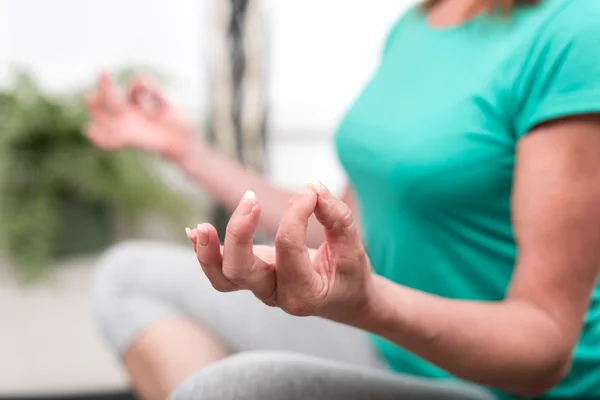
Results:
x,y
507,6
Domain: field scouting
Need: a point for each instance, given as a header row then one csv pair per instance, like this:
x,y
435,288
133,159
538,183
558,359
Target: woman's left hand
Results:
x,y
334,281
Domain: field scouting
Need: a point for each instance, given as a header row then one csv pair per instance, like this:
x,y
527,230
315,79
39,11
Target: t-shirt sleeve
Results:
x,y
562,77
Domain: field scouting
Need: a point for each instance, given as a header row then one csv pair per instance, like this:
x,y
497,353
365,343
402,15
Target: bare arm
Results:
x,y
522,344
145,120
227,181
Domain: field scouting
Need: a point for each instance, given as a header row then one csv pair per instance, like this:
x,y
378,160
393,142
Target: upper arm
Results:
x,y
556,214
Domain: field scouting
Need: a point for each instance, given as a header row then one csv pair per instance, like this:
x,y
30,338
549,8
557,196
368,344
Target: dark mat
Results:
x,y
89,396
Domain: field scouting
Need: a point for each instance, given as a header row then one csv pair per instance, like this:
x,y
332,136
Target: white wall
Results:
x,y
322,52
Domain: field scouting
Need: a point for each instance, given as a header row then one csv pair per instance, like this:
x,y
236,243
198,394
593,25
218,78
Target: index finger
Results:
x,y
336,217
108,94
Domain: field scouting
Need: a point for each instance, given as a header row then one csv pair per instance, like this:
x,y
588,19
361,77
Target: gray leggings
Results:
x,y
278,356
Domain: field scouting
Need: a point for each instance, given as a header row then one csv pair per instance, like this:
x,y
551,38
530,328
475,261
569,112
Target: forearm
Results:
x,y
508,345
227,181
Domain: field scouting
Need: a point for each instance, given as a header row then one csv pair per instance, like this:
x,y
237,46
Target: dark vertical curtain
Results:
x,y
238,63
237,121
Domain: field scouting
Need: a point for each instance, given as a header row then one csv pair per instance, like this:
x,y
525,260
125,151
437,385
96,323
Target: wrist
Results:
x,y
186,152
383,308
376,313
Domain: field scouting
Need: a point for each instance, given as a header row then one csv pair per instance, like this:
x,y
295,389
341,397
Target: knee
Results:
x,y
251,376
118,287
117,269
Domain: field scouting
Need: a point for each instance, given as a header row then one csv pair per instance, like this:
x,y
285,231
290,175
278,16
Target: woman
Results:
x,y
474,154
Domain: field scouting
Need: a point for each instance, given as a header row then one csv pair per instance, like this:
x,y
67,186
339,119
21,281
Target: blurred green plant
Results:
x,y
58,193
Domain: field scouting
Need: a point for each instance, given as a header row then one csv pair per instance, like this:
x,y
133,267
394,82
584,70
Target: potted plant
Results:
x,y
58,193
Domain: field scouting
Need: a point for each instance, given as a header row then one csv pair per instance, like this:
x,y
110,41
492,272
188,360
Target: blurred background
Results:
x,y
300,65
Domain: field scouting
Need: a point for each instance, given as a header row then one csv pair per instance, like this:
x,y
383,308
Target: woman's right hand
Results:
x,y
142,119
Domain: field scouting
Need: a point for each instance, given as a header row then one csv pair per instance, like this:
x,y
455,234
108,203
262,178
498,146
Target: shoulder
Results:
x,y
565,32
561,74
568,21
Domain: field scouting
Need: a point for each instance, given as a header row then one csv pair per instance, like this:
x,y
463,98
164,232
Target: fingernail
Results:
x,y
310,188
322,190
248,202
313,187
202,235
188,232
325,193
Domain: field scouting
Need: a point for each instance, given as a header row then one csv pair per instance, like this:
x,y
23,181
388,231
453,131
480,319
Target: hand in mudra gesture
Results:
x,y
334,281
140,119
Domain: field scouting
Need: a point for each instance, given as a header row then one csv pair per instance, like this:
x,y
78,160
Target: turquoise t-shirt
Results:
x,y
429,148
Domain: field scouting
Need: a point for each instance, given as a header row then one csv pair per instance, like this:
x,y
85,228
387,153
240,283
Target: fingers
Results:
x,y
338,221
146,95
192,235
108,95
240,265
99,131
208,251
236,266
294,268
